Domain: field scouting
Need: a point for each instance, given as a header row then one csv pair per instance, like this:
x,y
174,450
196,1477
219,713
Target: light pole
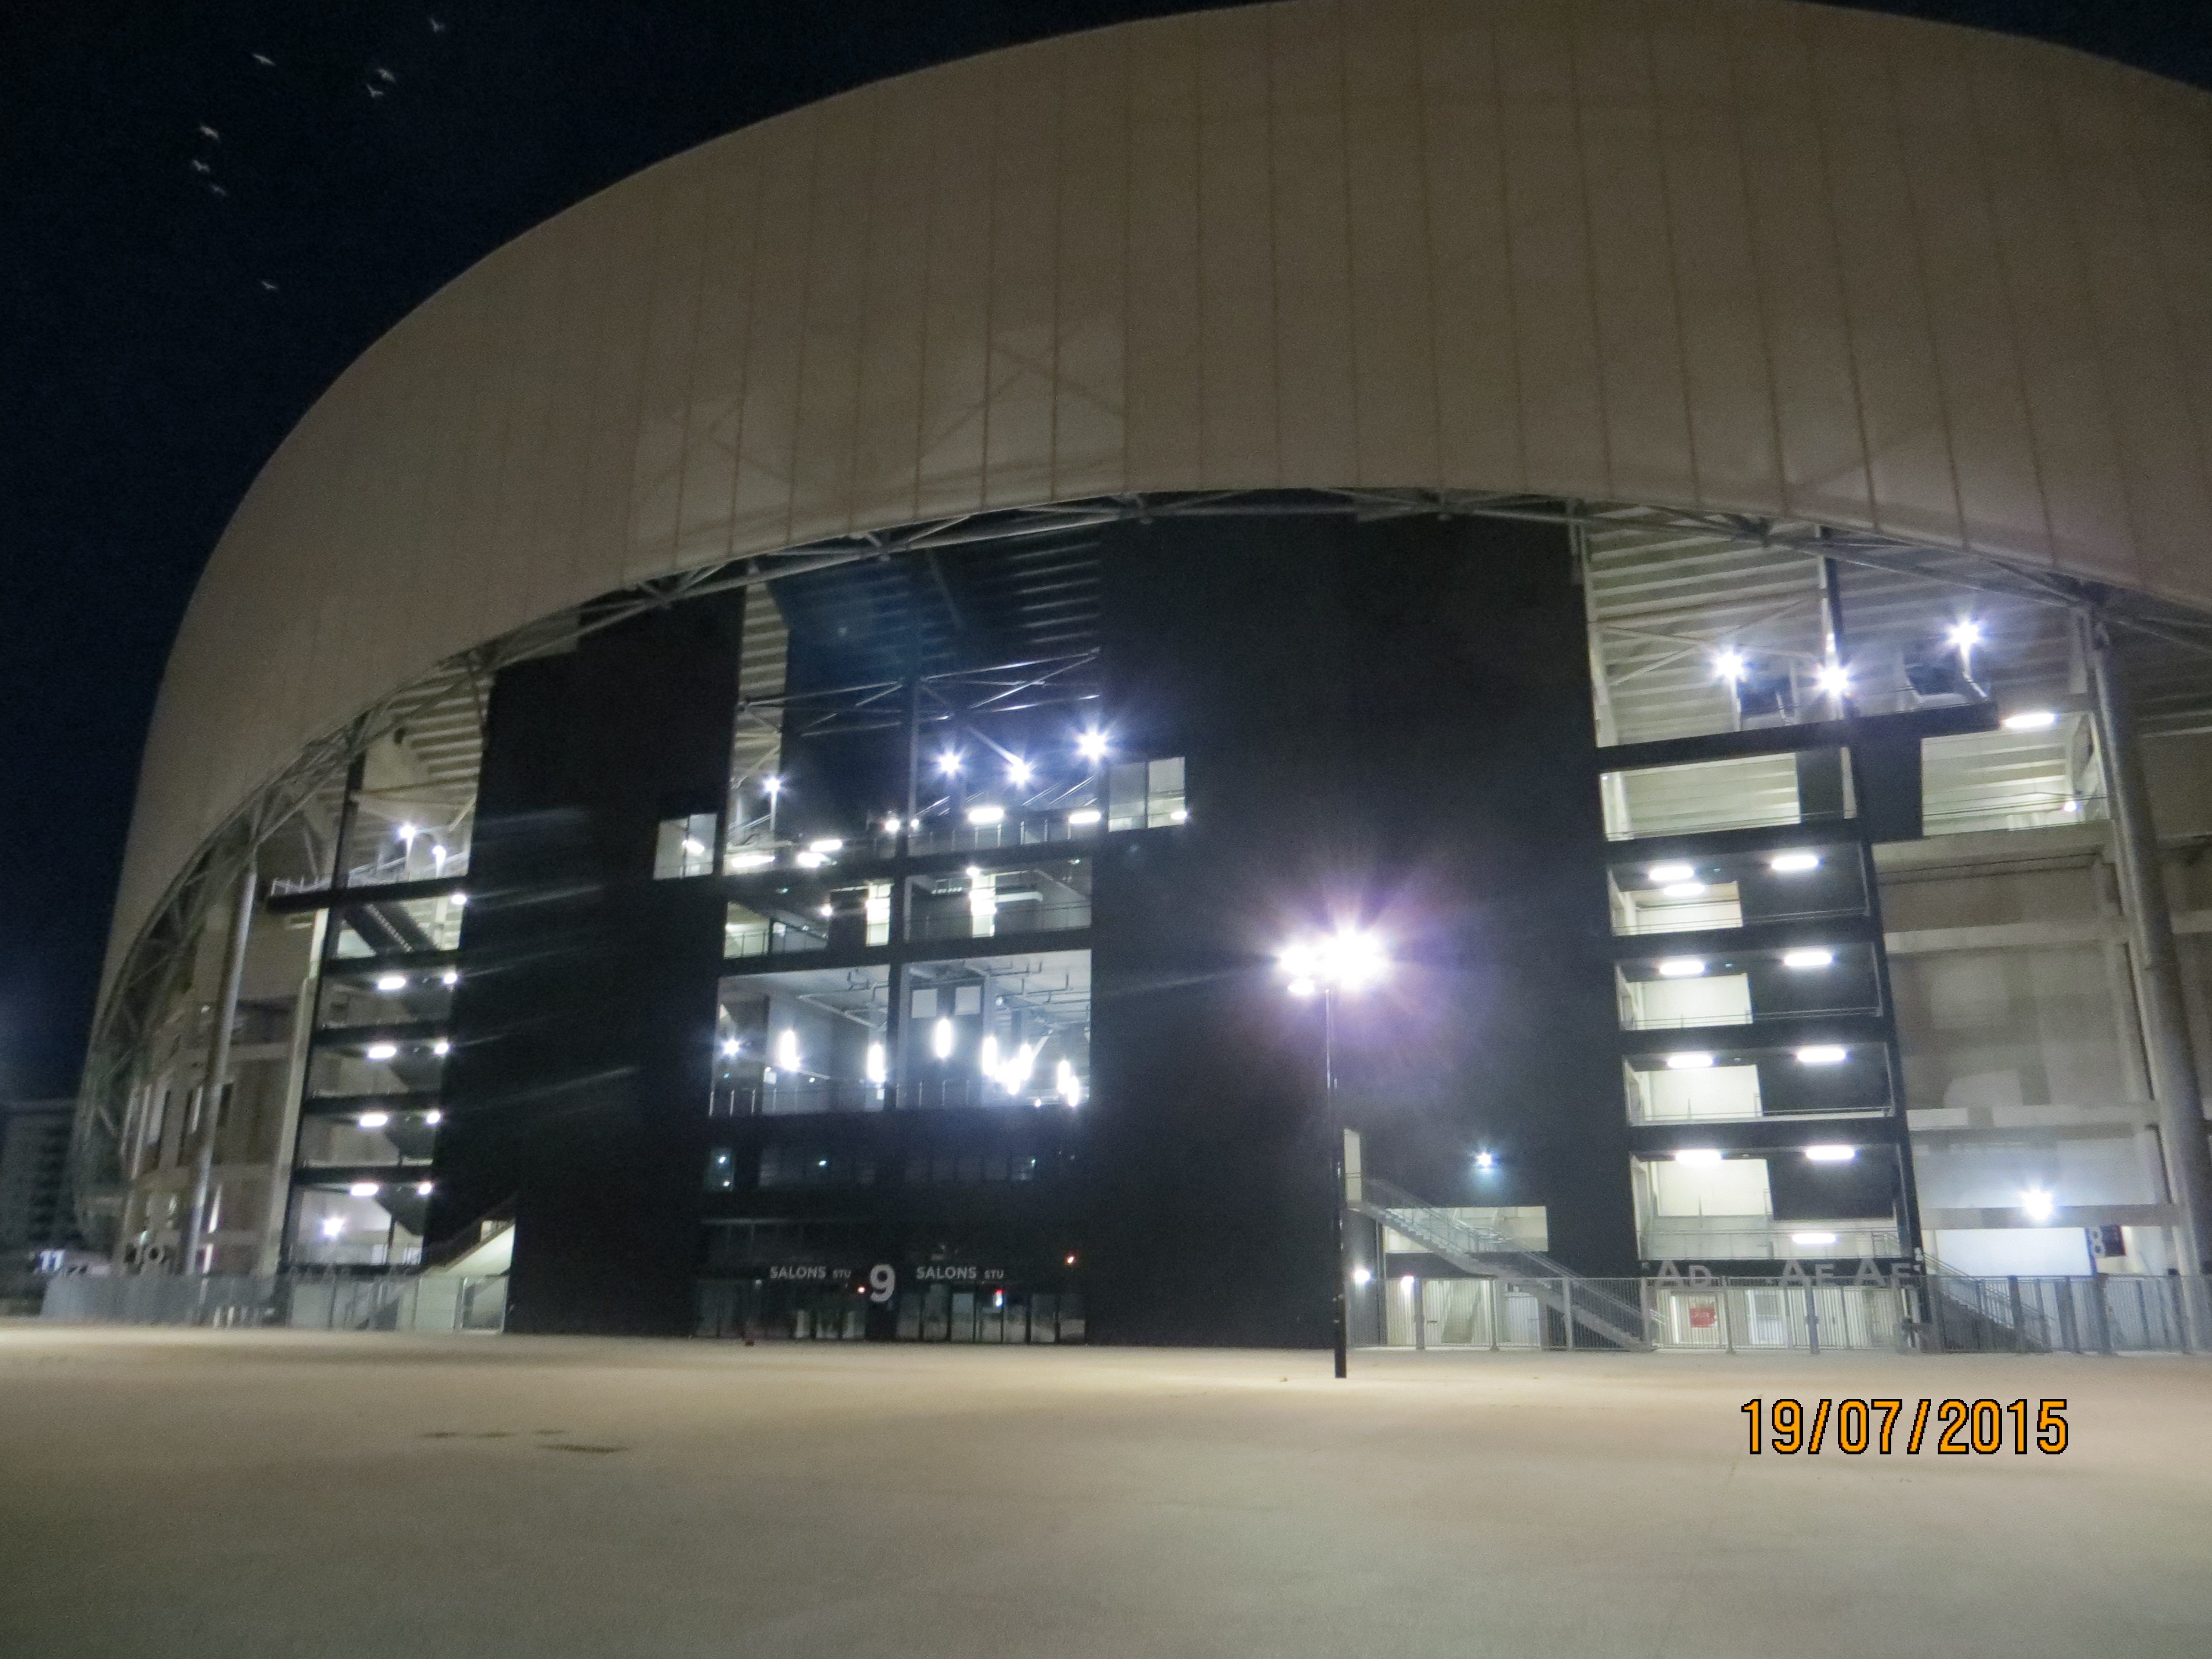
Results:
x,y
1346,960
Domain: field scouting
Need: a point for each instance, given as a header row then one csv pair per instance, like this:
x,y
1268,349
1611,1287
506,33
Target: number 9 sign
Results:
x,y
883,1282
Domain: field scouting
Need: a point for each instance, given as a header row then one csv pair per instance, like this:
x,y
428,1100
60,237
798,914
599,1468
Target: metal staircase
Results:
x,y
1482,1253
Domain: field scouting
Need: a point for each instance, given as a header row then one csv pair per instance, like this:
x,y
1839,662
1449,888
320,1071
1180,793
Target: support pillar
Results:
x,y
218,1067
2157,960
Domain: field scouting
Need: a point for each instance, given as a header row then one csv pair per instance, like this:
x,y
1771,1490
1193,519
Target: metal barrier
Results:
x,y
316,1302
2107,1314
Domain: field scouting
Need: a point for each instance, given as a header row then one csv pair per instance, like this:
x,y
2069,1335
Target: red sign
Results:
x,y
1701,1319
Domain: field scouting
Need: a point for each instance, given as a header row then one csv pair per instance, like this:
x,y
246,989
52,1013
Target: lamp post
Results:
x,y
1346,960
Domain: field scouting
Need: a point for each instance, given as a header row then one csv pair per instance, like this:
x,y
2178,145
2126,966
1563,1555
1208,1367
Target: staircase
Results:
x,y
1482,1253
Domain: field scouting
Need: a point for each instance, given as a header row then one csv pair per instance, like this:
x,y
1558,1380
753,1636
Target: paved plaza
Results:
x,y
193,1495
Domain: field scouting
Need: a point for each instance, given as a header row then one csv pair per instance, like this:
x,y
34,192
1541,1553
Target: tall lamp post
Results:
x,y
1348,959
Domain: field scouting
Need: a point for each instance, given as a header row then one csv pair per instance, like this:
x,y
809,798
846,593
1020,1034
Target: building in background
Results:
x,y
756,755
36,1217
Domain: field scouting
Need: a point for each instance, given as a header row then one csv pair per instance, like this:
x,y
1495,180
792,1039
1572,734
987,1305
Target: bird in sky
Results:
x,y
267,286
437,26
207,131
218,189
198,166
264,60
383,75
373,90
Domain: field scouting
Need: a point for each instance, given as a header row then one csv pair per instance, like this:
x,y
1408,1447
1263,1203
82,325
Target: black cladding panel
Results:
x,y
1390,722
586,1007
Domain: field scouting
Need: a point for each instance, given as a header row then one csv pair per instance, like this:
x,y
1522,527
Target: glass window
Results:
x,y
1146,794
813,1041
997,1032
979,903
797,1165
684,846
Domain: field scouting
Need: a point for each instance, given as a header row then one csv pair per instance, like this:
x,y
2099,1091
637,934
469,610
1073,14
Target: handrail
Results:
x,y
1480,1251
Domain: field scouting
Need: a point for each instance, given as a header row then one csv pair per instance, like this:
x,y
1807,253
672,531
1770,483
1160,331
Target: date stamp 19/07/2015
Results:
x,y
1854,1427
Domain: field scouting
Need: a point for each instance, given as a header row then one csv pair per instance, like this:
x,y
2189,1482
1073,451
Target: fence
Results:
x,y
396,1302
2107,1314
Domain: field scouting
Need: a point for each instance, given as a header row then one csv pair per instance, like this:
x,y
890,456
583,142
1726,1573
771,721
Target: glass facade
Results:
x,y
1865,980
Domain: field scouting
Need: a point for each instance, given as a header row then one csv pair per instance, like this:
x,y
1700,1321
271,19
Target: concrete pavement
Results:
x,y
206,1495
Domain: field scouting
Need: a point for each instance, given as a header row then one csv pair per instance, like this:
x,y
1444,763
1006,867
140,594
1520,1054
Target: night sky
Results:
x,y
208,209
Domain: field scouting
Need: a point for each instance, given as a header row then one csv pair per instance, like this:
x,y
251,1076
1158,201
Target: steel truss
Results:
x,y
153,967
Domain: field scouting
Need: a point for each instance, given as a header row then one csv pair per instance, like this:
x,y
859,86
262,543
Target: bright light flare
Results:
x,y
1967,634
1834,678
1802,959
1830,1154
1730,666
1682,968
1690,1060
1091,745
1823,1053
1699,1156
1793,864
2030,719
1349,959
2038,1205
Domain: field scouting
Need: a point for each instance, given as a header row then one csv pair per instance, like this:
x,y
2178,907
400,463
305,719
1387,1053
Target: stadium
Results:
x,y
1374,656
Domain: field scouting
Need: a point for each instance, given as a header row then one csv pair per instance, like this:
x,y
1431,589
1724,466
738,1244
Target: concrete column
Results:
x,y
2158,961
218,1065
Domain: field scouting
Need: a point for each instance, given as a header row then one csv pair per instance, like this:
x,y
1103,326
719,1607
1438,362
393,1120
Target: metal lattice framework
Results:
x,y
2170,653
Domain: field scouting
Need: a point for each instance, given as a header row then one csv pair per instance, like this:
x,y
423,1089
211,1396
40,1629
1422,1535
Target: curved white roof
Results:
x,y
1735,254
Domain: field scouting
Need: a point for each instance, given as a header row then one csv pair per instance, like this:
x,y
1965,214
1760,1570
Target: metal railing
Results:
x,y
802,1099
299,1301
1029,829
1016,918
2108,1313
1595,1307
1682,1239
